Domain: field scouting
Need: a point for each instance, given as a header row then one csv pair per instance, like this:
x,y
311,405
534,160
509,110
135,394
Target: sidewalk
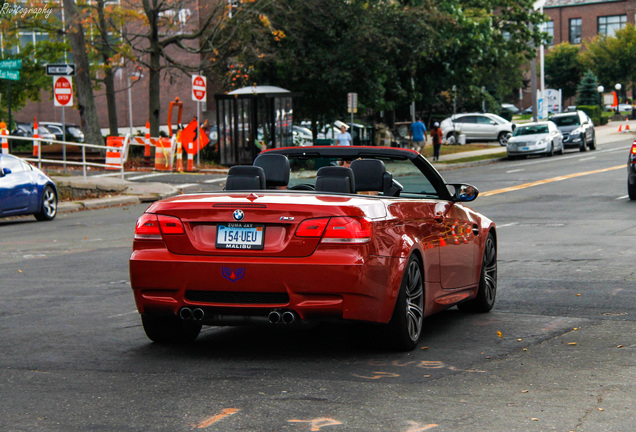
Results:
x,y
127,192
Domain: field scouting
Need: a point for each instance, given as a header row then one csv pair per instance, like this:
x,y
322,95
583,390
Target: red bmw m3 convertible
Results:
x,y
368,234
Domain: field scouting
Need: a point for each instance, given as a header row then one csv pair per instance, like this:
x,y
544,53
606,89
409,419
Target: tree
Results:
x,y
563,68
86,102
175,36
587,93
611,58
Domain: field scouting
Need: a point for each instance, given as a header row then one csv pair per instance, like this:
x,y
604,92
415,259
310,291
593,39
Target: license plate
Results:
x,y
239,236
526,148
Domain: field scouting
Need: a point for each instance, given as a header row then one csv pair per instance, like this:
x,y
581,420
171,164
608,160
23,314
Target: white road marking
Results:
x,y
514,171
146,176
186,185
622,197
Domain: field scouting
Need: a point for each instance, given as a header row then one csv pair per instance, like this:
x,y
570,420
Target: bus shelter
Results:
x,y
251,119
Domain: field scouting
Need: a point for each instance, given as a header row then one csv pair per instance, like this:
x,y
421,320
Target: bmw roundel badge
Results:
x,y
238,215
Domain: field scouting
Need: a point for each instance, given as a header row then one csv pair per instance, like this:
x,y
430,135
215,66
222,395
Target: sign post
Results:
x,y
62,97
352,107
199,93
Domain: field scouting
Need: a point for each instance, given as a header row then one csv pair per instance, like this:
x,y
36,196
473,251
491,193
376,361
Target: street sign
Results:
x,y
15,64
199,88
352,102
62,91
60,69
13,75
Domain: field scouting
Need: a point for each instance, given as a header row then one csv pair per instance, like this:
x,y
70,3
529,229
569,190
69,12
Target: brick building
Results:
x,y
577,20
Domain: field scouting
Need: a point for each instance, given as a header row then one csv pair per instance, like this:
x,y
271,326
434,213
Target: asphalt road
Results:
x,y
556,353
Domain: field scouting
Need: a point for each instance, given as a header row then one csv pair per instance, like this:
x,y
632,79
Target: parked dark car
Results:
x,y
577,129
26,130
631,172
73,132
25,190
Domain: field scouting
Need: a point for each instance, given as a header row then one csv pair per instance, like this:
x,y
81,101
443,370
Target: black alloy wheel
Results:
x,y
405,327
487,291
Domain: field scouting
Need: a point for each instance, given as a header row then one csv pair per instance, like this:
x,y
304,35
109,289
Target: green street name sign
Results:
x,y
10,74
13,64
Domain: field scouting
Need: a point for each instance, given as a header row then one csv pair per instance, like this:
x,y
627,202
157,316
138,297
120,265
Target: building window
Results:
x,y
608,25
576,30
549,29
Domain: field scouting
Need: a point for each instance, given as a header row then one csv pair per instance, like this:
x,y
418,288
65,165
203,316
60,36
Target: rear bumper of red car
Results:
x,y
326,285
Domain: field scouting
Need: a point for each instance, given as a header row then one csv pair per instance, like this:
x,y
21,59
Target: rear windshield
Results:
x,y
571,120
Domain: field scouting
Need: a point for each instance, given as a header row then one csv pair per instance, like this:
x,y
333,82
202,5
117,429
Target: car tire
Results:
x,y
405,327
631,190
487,291
169,330
550,151
583,146
452,138
503,138
593,143
48,205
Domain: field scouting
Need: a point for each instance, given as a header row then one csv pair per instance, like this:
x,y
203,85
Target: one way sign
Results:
x,y
60,69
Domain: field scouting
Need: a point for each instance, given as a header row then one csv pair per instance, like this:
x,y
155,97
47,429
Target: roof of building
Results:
x,y
565,3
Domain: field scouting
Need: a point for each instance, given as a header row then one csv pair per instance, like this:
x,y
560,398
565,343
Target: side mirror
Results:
x,y
4,172
464,192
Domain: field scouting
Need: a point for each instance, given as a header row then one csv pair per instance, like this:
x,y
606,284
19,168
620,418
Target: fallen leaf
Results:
x,y
424,347
619,346
19,271
575,328
524,391
534,419
519,340
499,334
572,343
578,295
525,349
601,409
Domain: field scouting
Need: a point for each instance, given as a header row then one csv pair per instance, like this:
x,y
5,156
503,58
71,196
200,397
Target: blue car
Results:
x,y
24,190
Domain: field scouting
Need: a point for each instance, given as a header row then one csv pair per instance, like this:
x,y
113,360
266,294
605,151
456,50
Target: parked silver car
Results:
x,y
577,129
542,138
477,127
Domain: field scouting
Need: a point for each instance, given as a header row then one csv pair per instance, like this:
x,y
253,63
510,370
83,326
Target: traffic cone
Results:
x,y
36,143
626,124
147,139
620,128
190,165
5,141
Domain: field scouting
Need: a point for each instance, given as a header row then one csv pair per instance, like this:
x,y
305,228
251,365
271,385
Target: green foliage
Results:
x,y
563,68
594,112
587,93
611,58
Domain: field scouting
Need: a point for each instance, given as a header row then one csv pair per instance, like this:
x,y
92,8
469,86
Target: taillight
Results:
x,y
312,227
632,154
170,225
347,230
150,226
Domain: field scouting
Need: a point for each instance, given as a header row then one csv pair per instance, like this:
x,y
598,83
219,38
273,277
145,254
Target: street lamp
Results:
x,y
600,90
618,90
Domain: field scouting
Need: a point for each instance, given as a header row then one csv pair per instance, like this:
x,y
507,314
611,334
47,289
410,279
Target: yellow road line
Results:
x,y
210,421
546,181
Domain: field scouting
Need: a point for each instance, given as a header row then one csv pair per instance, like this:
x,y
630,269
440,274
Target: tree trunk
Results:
x,y
109,76
86,102
154,72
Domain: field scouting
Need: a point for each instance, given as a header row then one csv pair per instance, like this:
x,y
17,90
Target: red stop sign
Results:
x,y
62,91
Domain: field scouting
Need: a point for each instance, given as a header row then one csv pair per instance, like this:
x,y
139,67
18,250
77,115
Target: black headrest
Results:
x,y
245,177
369,174
276,168
335,179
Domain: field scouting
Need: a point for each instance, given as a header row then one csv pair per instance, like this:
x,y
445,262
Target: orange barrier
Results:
x,y
5,141
163,154
36,143
147,140
114,148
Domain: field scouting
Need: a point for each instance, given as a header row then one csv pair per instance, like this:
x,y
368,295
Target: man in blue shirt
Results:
x,y
418,135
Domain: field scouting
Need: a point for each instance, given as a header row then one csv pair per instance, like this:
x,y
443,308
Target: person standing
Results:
x,y
418,135
436,136
344,137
